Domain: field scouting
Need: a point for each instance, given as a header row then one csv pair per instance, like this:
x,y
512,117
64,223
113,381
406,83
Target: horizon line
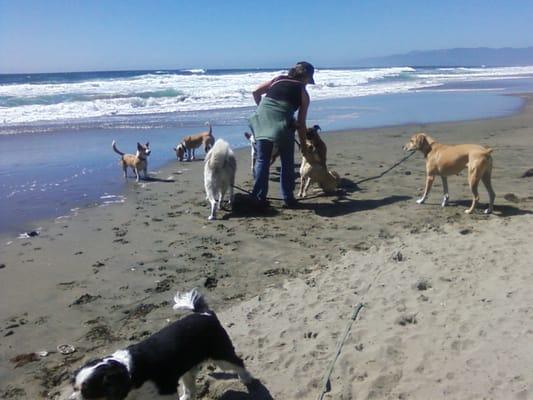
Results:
x,y
348,66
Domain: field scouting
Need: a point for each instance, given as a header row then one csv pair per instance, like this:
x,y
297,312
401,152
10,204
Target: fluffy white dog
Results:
x,y
219,175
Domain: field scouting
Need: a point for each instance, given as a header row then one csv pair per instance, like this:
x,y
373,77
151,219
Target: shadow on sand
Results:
x,y
499,210
256,390
244,206
343,205
152,179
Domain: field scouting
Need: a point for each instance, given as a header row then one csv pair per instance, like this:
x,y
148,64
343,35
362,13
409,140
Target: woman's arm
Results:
x,y
302,116
261,90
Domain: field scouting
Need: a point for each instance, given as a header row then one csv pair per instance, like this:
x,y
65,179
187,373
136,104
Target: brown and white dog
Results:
x,y
445,160
313,167
190,143
137,162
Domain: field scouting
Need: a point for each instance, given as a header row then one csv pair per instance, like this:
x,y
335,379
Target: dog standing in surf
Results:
x,y
137,162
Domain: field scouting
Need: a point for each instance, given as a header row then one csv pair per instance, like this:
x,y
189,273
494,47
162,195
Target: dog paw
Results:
x,y
420,201
468,211
488,211
444,202
211,217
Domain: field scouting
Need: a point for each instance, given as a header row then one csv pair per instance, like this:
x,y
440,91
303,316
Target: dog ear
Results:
x,y
317,128
422,143
147,144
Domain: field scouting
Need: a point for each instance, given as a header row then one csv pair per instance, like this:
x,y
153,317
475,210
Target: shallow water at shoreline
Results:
x,y
46,175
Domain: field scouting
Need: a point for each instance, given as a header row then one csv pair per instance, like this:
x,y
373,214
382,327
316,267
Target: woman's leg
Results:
x,y
286,154
262,169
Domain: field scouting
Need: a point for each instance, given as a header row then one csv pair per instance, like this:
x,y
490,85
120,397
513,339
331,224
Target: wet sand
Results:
x,y
446,296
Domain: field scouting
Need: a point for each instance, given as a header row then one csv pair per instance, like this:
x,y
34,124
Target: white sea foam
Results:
x,y
195,71
164,92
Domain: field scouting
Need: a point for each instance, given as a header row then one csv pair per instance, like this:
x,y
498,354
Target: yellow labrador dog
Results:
x,y
445,160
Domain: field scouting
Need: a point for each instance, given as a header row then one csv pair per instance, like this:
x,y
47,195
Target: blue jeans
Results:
x,y
262,169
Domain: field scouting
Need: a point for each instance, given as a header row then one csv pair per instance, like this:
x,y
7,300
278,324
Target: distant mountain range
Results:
x,y
466,57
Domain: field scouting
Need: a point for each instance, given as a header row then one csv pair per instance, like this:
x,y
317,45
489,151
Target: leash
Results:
x,y
387,170
250,193
242,190
326,383
396,164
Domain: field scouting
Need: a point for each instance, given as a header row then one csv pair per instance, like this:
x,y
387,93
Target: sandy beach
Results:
x,y
446,300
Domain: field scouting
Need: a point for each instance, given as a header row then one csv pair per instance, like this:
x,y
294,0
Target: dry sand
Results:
x,y
447,305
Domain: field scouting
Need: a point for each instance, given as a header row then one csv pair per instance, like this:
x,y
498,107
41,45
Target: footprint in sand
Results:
x,y
422,284
407,319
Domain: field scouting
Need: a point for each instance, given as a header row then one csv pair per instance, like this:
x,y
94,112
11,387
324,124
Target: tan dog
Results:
x,y
313,167
190,143
315,146
137,162
445,160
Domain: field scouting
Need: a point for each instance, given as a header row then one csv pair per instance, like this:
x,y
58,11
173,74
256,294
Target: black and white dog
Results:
x,y
173,354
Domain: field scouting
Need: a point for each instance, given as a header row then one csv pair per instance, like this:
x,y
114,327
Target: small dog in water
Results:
x,y
137,162
190,143
445,160
173,354
219,175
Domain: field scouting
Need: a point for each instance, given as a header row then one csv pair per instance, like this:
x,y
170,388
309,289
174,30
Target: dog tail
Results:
x,y
210,128
488,150
193,301
114,145
219,155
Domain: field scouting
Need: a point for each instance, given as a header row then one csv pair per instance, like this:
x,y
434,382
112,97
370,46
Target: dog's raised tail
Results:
x,y
114,146
192,301
219,155
208,123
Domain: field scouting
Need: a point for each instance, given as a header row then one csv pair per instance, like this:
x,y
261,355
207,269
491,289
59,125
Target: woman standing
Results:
x,y
273,123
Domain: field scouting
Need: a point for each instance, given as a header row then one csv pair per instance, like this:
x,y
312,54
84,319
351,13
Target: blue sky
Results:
x,y
74,35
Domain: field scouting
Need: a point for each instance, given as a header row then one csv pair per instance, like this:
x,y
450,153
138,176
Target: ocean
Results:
x,y
56,128
151,99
